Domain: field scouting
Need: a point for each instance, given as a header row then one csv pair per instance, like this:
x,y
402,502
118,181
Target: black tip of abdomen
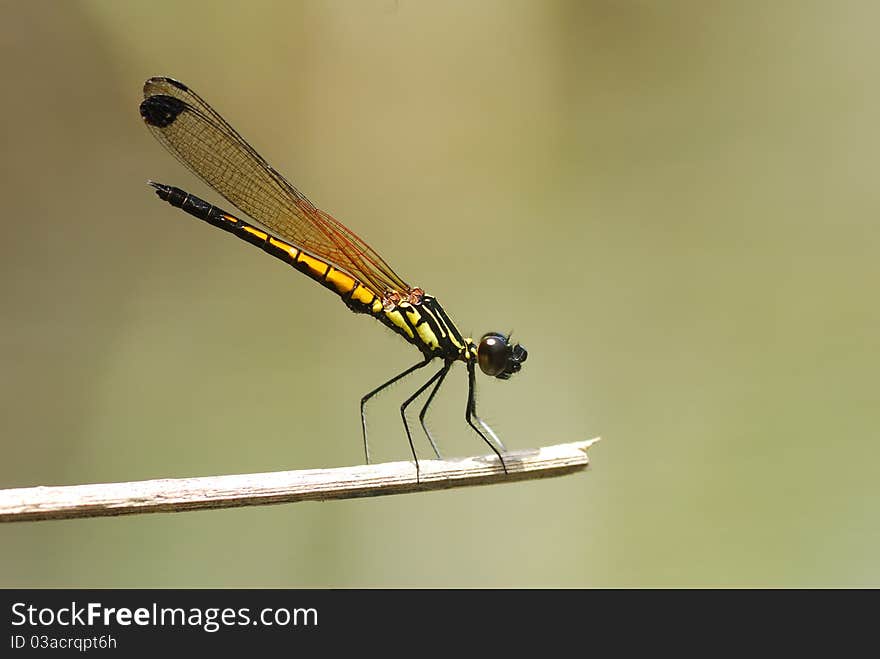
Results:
x,y
161,110
162,191
174,196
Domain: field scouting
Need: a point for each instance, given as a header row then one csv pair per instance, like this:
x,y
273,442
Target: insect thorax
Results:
x,y
427,326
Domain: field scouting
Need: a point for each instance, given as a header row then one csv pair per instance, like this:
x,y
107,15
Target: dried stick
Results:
x,y
181,494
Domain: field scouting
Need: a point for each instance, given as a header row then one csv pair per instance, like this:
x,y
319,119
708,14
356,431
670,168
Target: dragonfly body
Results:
x,y
420,320
296,232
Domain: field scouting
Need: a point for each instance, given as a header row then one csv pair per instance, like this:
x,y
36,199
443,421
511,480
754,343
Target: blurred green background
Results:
x,y
674,206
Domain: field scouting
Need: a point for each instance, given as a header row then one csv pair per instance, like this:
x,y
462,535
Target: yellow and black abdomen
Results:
x,y
425,324
354,294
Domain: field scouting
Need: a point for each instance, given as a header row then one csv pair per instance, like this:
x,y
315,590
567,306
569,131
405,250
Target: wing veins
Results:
x,y
209,147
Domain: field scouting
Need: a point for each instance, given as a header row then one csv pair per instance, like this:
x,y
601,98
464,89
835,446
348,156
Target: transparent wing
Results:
x,y
203,141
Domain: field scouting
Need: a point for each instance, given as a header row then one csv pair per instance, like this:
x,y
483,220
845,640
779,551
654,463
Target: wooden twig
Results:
x,y
181,494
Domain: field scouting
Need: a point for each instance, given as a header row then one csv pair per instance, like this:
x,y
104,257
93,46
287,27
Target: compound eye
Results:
x,y
492,354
